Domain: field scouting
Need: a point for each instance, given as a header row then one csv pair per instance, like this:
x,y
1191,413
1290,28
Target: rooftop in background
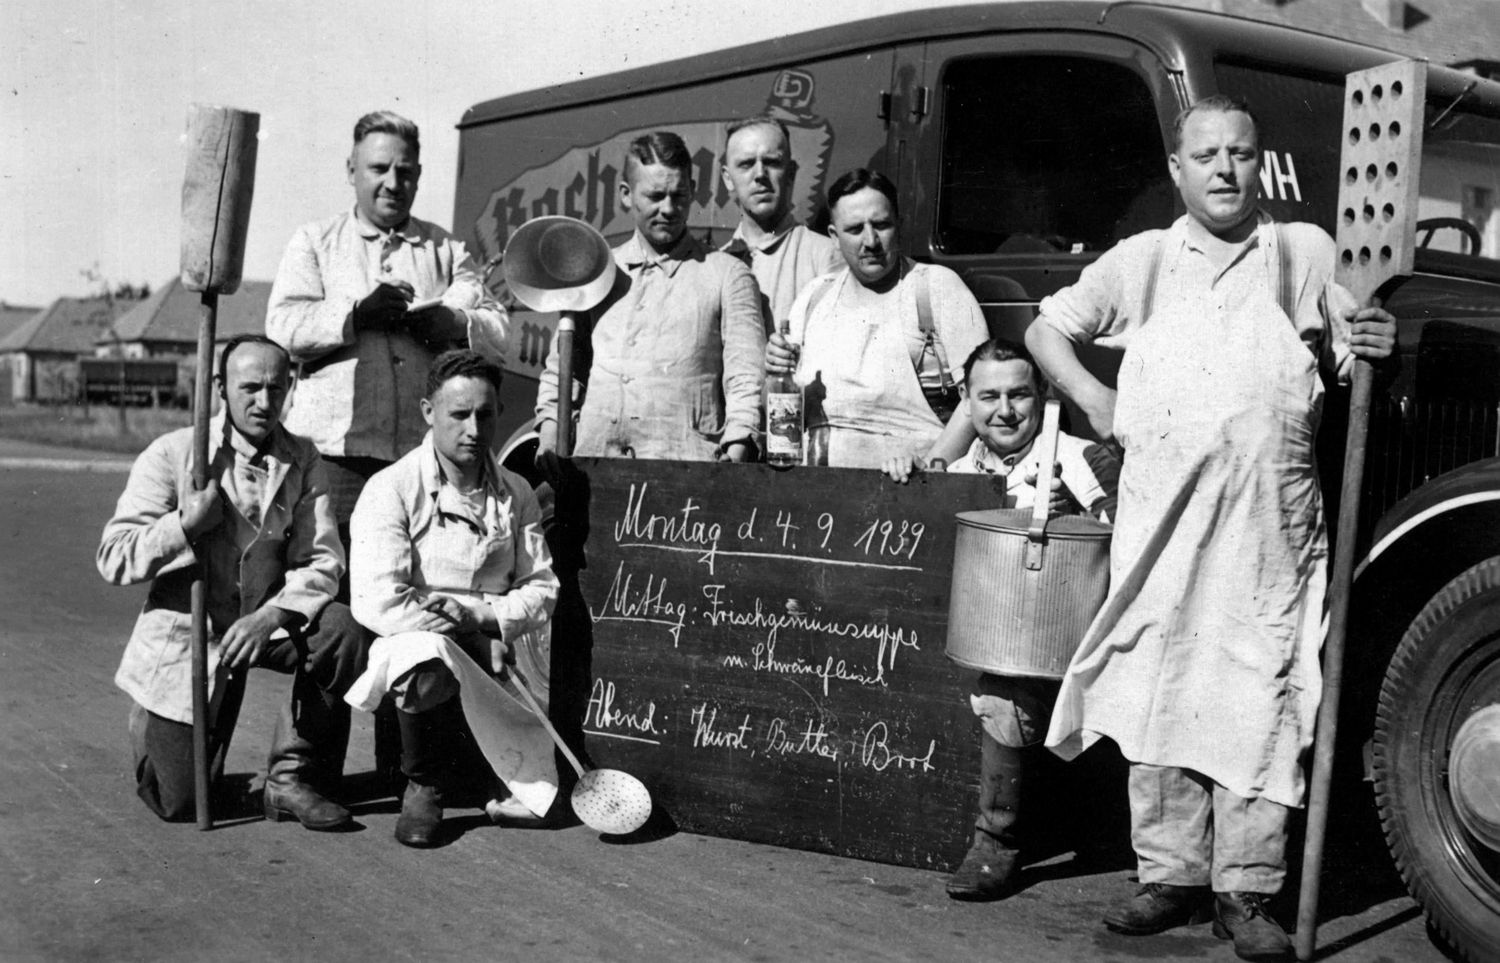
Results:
x,y
66,326
172,313
12,316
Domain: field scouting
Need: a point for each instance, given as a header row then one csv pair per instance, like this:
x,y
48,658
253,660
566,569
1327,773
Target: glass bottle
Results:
x,y
783,417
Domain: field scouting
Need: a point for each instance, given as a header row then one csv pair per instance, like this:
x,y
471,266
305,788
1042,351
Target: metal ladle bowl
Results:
x,y
608,801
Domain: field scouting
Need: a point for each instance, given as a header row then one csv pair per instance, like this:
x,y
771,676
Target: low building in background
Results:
x,y
150,352
39,357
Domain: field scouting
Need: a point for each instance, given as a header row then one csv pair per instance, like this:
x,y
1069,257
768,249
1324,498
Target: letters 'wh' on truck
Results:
x,y
1026,138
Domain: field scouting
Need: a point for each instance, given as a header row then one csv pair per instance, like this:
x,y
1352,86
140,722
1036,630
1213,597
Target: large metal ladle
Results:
x,y
606,800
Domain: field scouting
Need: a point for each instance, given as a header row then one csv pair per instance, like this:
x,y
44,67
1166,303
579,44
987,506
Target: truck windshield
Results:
x,y
1460,205
1301,117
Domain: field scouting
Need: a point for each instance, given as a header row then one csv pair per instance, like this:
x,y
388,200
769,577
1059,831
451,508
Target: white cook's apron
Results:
x,y
874,405
1205,654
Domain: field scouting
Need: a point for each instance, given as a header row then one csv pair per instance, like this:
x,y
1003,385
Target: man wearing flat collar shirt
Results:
x,y
1203,663
672,357
783,255
364,301
451,570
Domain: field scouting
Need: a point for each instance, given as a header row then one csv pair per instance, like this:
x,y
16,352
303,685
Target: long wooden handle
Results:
x,y
541,716
1339,589
567,324
1046,448
202,405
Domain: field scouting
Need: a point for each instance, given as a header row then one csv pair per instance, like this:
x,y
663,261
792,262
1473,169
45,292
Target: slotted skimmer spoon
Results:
x,y
606,800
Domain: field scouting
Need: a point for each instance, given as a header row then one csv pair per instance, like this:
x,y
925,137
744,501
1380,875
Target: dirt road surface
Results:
x,y
87,873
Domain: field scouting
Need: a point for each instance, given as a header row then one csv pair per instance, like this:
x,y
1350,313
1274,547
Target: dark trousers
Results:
x,y
346,479
325,658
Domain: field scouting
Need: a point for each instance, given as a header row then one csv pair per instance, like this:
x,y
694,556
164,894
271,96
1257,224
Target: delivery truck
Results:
x,y
1025,139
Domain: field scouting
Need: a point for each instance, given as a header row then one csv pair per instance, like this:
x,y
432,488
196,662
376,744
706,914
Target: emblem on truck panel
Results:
x,y
583,181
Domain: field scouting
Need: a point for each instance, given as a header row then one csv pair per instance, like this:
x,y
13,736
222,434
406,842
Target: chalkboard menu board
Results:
x,y
767,651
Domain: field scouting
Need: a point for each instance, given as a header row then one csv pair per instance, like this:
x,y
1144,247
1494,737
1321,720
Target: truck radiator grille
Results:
x,y
1412,442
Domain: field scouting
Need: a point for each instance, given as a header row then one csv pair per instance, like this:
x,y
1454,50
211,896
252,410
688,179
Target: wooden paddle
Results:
x,y
216,192
1380,171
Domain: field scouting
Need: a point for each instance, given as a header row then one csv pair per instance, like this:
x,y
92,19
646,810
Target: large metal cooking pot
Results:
x,y
1025,587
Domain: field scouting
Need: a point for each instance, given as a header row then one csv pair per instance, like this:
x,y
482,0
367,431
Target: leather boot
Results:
x,y
989,868
1244,917
1160,906
426,744
307,750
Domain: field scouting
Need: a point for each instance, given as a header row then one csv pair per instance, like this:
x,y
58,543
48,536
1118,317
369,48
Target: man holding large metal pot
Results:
x,y
1203,663
1005,396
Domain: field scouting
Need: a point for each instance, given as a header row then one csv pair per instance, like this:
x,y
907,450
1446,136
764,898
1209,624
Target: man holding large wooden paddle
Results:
x,y
264,523
1203,663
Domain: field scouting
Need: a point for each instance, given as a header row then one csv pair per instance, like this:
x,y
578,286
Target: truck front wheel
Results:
x,y
1437,760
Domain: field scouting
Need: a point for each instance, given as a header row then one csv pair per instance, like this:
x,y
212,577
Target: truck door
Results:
x,y
902,106
1031,154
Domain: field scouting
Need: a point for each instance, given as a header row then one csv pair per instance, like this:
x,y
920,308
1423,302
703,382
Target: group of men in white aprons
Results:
x,y
1202,665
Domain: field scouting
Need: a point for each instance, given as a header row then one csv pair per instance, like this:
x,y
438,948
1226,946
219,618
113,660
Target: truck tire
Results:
x,y
1437,761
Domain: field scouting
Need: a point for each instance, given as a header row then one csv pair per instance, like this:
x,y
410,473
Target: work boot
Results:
x,y
993,860
421,816
426,742
1257,936
312,734
1160,906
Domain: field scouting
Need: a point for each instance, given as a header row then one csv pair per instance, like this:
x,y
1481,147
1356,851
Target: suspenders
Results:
x,y
1286,283
930,340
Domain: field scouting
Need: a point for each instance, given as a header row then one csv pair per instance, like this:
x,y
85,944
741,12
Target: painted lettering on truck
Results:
x,y
583,181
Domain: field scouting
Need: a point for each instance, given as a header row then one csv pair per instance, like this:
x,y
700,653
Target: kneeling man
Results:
x,y
451,568
265,528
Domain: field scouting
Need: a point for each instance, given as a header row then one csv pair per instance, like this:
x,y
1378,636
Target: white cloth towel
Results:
x,y
513,740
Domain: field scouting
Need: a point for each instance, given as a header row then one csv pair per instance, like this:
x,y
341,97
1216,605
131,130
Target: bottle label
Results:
x,y
784,424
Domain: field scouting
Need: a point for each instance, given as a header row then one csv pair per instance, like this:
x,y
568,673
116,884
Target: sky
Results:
x,y
94,96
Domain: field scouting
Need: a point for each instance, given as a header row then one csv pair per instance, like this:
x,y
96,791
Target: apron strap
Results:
x,y
1286,280
930,339
1153,270
819,290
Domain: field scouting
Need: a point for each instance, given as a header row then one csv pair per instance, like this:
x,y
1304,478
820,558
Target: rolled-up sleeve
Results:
x,y
1101,306
743,333
144,538
299,316
527,606
488,325
314,553
1337,306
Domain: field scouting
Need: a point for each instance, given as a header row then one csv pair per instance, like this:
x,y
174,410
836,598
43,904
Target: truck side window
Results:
x,y
1048,153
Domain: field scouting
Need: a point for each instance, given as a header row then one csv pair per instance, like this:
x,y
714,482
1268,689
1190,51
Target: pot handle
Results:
x,y
1046,442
